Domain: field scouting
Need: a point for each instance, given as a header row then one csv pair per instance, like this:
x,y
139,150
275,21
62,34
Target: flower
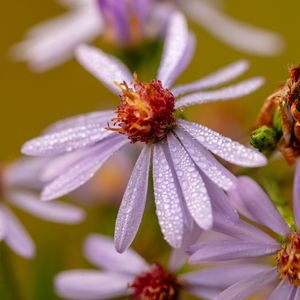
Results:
x,y
252,202
53,42
182,163
19,184
128,274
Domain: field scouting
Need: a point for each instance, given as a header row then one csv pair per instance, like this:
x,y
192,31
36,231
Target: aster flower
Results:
x,y
252,201
128,274
148,114
19,186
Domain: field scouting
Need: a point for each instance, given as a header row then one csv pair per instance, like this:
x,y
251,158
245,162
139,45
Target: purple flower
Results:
x,y
19,184
183,166
253,203
128,274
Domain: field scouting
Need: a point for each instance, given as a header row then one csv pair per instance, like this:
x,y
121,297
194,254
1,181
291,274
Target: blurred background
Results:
x,y
31,101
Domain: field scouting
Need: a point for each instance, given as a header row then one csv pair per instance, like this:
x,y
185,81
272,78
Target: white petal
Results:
x,y
228,93
55,212
106,68
167,197
224,147
217,78
177,38
133,203
100,251
191,183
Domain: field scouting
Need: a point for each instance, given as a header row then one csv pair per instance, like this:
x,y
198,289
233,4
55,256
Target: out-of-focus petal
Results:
x,y
177,38
91,285
296,200
284,290
55,212
100,251
217,78
167,197
224,147
133,203
231,92
104,67
2,226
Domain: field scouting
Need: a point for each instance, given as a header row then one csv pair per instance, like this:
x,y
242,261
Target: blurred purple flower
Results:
x,y
147,113
128,274
253,203
19,186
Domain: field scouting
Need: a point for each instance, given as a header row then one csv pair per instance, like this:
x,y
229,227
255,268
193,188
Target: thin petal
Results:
x,y
248,286
106,68
231,92
91,285
133,203
296,201
100,251
249,198
167,197
284,290
57,212
2,226
177,38
83,170
16,236
221,76
191,183
224,147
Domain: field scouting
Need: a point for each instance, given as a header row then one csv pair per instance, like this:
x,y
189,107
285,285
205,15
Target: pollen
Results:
x,y
146,112
157,284
288,260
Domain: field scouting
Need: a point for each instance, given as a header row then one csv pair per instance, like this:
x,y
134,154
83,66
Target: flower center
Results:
x,y
146,112
157,284
288,259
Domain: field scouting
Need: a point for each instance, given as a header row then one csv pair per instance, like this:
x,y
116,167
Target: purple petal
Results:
x,y
296,201
66,140
177,38
167,197
219,77
284,290
205,160
106,68
91,285
234,91
84,169
133,203
297,294
230,250
2,226
249,198
224,147
248,286
100,251
57,212
16,236
191,183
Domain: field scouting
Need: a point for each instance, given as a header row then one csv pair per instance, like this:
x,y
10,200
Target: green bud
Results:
x,y
277,124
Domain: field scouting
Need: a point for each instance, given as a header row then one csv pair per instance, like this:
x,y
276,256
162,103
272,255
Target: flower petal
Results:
x,y
296,201
224,147
191,183
16,236
248,286
91,285
2,226
83,170
231,92
284,290
133,203
106,68
167,197
177,38
54,212
249,198
217,78
100,251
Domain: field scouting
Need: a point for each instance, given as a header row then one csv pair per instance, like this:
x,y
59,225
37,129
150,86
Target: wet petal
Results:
x,y
231,92
177,38
106,68
296,200
221,76
224,147
133,203
100,251
284,290
167,197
